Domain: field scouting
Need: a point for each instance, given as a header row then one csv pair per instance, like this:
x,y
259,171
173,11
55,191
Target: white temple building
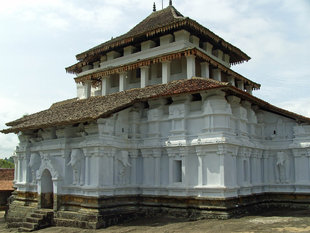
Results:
x,y
160,124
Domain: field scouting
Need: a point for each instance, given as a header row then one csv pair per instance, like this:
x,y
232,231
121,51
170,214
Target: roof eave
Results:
x,y
114,43
229,89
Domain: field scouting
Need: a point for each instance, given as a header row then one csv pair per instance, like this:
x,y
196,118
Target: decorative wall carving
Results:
x,y
282,167
34,165
77,164
124,168
47,163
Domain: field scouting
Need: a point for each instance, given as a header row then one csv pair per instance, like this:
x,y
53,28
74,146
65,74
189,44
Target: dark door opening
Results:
x,y
47,195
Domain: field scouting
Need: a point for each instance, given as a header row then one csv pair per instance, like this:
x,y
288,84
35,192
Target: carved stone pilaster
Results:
x,y
200,150
265,154
235,150
245,152
146,152
172,151
301,152
184,151
221,149
134,153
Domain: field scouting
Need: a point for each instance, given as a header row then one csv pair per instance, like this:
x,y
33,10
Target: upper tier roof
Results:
x,y
156,24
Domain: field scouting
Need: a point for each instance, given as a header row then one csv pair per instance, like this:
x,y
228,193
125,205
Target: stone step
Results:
x,y
24,229
14,224
35,215
30,225
33,219
44,211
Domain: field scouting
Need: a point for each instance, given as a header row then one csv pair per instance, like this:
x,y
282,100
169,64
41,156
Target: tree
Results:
x,y
9,159
6,164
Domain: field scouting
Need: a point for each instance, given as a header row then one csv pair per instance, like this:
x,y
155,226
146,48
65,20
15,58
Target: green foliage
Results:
x,y
5,163
9,159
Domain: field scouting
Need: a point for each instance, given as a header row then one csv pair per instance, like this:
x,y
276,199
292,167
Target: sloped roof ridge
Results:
x,y
175,12
157,18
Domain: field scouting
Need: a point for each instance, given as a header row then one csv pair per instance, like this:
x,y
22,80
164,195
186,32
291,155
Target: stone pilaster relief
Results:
x,y
301,152
106,126
239,116
34,165
178,111
216,111
282,167
47,134
134,120
154,115
124,166
77,164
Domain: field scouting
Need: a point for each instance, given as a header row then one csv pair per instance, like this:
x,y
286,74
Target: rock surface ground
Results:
x,y
270,221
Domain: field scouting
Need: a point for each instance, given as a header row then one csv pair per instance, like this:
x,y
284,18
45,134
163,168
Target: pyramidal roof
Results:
x,y
159,23
157,19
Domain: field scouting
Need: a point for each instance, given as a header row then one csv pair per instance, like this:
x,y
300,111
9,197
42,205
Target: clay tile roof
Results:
x,y
6,185
76,111
157,19
6,179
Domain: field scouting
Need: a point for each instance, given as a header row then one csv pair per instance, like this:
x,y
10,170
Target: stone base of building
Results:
x,y
93,213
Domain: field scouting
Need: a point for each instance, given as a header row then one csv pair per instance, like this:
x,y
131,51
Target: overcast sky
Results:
x,y
39,38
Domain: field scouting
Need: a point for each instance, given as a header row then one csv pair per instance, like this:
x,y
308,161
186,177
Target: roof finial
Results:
x,y
154,7
170,2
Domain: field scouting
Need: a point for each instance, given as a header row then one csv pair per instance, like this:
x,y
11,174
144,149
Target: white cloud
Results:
x,y
54,21
8,144
9,110
300,106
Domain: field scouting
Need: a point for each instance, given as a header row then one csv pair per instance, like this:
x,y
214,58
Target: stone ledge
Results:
x,y
109,211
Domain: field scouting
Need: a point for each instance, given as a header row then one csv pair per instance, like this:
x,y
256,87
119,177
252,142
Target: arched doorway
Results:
x,y
47,195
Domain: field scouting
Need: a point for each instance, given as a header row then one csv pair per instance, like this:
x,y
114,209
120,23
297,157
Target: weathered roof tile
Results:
x,y
76,111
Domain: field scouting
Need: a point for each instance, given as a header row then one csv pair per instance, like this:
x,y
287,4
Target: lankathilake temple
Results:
x,y
161,124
